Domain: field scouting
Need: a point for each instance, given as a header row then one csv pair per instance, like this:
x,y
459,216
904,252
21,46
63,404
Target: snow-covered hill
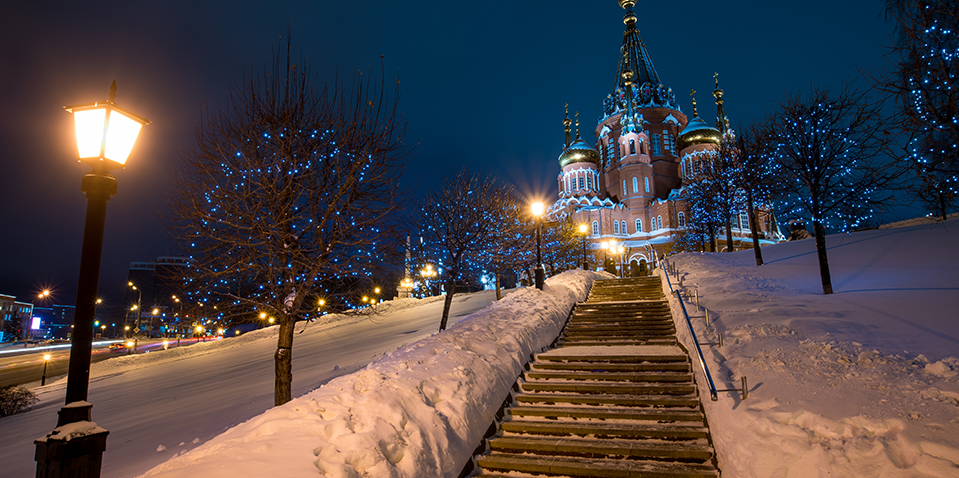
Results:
x,y
862,382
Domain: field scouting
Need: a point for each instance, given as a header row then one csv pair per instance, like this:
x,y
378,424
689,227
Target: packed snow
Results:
x,y
862,382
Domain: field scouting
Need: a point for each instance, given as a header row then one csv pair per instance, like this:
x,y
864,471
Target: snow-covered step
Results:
x,y
616,397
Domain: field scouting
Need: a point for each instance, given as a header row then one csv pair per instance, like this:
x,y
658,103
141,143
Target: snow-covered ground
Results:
x,y
862,382
163,404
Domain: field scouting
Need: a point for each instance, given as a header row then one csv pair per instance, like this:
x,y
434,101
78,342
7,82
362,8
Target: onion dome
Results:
x,y
578,152
698,132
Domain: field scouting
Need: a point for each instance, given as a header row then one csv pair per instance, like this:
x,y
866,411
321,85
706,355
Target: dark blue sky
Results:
x,y
483,85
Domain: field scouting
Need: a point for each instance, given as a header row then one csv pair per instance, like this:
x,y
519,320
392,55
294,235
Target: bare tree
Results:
x,y
510,248
459,222
923,79
287,190
826,153
711,191
752,179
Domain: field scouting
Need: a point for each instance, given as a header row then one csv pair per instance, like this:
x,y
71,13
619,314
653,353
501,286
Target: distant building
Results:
x,y
158,285
16,319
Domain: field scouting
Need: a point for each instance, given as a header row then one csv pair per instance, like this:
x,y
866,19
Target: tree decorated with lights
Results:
x,y
924,81
459,220
753,179
285,193
705,218
562,250
510,249
825,151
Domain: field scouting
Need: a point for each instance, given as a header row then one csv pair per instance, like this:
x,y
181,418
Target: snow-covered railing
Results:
x,y
699,351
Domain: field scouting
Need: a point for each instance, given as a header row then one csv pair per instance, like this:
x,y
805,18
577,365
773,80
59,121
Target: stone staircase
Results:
x,y
615,398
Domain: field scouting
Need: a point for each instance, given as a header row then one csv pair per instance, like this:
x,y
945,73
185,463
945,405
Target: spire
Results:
x,y
692,94
722,122
577,126
633,54
628,120
566,123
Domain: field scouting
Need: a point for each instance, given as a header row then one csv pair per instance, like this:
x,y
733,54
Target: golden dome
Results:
x,y
578,152
698,132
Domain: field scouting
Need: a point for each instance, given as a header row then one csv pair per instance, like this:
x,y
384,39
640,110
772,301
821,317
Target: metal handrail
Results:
x,y
699,350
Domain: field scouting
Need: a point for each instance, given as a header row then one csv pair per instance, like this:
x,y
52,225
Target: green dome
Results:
x,y
578,152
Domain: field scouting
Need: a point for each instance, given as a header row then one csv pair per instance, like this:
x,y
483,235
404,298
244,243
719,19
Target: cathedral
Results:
x,y
627,189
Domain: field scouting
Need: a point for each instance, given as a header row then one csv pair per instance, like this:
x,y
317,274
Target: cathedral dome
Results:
x,y
578,152
697,132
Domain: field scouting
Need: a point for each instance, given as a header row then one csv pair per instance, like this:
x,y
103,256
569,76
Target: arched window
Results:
x,y
575,188
589,182
624,188
744,220
657,147
632,146
623,228
582,183
646,180
681,219
672,143
615,227
610,150
635,185
595,228
639,225
659,222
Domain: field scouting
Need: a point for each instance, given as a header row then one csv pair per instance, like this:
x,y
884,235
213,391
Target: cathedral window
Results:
x,y
595,228
575,187
672,144
744,220
681,219
635,185
582,184
624,188
589,182
646,180
639,225
659,222
667,144
615,227
611,150
654,138
632,146
623,228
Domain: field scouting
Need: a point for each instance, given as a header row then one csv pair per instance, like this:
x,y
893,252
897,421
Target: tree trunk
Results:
x,y
450,288
711,230
283,360
729,235
499,293
754,227
823,260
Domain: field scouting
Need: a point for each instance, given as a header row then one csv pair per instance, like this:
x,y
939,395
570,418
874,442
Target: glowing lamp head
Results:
x,y
583,228
537,208
156,311
262,315
105,132
322,302
46,356
376,290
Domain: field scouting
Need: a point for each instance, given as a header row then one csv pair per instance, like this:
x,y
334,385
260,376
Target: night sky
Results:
x,y
483,86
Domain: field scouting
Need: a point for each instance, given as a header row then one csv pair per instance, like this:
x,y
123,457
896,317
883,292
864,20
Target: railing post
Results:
x,y
697,300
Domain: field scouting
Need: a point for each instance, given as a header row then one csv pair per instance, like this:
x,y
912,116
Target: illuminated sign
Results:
x,y
35,324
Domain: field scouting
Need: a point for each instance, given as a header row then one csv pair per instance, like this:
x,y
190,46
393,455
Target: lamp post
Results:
x,y
105,136
622,268
136,323
43,378
584,230
538,209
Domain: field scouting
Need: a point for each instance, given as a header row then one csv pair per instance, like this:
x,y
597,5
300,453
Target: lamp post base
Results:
x,y
585,266
74,449
539,275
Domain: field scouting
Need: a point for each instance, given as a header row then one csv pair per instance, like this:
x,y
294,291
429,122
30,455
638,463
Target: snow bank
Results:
x,y
418,412
862,382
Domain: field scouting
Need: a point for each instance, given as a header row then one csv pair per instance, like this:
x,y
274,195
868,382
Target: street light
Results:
x,y
584,230
105,136
537,208
43,378
137,306
621,251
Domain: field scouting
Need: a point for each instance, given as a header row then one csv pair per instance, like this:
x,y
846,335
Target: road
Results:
x,y
25,365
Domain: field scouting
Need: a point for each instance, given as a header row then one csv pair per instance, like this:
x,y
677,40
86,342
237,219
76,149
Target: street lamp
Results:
x,y
136,307
43,378
584,230
427,273
537,208
105,136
